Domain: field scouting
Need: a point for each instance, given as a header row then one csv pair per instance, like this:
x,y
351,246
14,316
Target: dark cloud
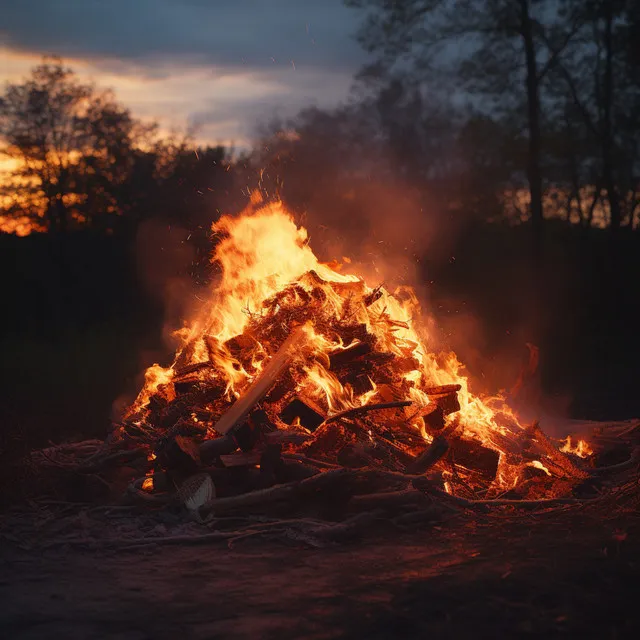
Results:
x,y
147,34
295,91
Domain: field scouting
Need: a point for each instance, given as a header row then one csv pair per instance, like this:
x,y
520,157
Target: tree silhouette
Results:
x,y
504,51
72,147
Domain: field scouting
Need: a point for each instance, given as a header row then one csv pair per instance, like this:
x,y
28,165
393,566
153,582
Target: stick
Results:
x,y
310,461
279,492
366,408
259,387
423,484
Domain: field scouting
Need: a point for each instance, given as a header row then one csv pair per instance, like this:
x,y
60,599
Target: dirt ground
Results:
x,y
535,578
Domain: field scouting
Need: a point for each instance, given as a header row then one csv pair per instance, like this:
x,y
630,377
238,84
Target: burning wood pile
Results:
x,y
303,390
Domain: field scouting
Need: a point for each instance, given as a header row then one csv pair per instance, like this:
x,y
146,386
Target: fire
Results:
x,y
580,449
270,283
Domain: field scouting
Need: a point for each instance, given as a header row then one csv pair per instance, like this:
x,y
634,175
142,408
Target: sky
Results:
x,y
222,67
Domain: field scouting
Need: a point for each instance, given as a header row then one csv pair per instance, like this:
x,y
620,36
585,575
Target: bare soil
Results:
x,y
538,577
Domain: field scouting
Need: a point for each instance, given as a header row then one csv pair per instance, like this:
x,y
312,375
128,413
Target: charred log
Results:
x,y
432,454
344,357
473,455
306,412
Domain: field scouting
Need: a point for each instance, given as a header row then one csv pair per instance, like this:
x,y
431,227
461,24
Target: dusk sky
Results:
x,y
222,66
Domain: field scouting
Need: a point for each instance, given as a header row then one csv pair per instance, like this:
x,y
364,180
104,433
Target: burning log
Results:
x,y
210,450
433,417
443,390
432,454
192,368
372,297
186,385
185,404
354,456
258,389
353,333
239,344
473,455
306,412
447,402
360,383
179,453
346,356
157,403
246,436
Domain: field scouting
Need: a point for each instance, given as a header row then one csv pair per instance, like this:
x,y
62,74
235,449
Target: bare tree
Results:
x,y
504,49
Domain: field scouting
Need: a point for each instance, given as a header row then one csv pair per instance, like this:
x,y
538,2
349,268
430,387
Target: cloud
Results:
x,y
222,67
151,32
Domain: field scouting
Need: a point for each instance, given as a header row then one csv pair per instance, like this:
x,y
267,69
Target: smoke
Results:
x,y
380,227
163,260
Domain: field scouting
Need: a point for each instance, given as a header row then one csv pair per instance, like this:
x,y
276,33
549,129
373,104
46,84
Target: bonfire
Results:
x,y
301,389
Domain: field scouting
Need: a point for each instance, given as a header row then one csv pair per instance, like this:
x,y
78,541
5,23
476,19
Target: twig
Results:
x,y
423,484
310,461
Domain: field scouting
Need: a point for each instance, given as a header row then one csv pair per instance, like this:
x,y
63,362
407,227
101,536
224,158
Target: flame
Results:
x,y
271,277
580,449
154,376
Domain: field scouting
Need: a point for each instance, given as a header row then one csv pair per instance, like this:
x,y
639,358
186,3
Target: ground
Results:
x,y
533,577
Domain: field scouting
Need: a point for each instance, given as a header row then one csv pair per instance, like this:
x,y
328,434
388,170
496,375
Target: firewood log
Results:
x,y
343,357
210,450
473,455
180,453
258,389
191,368
306,411
444,389
434,452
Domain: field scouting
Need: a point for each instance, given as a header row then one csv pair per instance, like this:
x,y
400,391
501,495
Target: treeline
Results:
x,y
492,110
511,110
77,158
